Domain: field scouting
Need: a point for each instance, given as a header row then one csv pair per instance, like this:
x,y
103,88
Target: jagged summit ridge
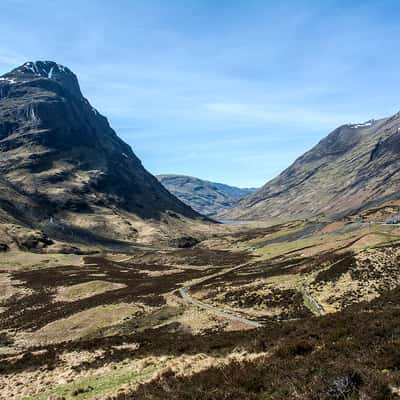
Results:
x,y
42,68
32,70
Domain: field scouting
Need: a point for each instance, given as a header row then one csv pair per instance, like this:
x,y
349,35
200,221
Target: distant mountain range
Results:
x,y
62,167
355,167
207,198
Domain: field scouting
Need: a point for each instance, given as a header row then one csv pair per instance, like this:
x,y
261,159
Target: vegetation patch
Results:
x,y
356,278
86,345
92,386
86,289
204,257
345,263
83,324
285,304
10,289
38,309
350,355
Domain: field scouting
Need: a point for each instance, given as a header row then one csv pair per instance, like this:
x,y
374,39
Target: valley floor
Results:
x,y
306,309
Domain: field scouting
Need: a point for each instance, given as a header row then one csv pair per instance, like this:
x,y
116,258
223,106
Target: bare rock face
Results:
x,y
61,161
353,168
33,241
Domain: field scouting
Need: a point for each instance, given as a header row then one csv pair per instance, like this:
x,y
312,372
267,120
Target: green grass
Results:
x,y
87,289
310,305
17,260
287,247
84,324
278,234
97,385
390,237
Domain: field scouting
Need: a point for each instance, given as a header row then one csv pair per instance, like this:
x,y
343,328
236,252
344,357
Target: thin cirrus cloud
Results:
x,y
257,113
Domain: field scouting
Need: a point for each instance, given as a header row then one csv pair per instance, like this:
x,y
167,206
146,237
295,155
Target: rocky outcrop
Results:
x,y
184,242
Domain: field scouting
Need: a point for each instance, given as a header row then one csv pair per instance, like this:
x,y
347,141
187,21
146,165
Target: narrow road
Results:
x,y
186,296
183,292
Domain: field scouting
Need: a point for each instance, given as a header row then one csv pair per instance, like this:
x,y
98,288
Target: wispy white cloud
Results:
x,y
287,115
224,90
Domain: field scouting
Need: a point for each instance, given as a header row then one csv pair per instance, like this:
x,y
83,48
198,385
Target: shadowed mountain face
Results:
x,y
206,197
59,158
354,167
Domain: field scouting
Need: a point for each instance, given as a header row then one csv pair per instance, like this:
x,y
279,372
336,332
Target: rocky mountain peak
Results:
x,y
355,167
61,155
32,70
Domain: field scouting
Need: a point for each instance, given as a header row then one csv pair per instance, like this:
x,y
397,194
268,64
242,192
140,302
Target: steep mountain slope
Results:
x,y
64,167
203,196
354,167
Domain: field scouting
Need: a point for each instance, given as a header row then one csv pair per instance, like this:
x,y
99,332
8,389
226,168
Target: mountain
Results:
x,y
63,169
206,197
354,167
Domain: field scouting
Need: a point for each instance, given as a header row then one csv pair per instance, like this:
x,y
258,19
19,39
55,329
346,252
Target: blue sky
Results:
x,y
231,91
